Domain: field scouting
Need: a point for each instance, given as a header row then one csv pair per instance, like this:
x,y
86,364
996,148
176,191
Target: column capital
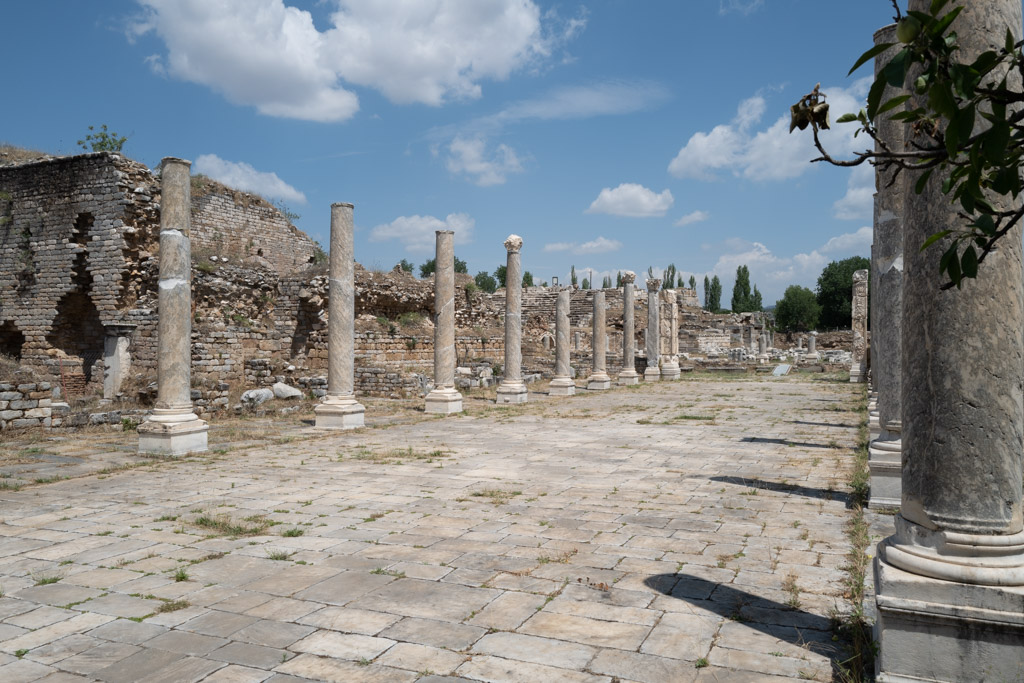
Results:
x,y
513,243
628,277
653,284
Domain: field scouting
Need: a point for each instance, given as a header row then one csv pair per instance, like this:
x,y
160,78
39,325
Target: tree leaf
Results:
x,y
875,96
985,223
892,103
846,118
876,50
942,24
895,71
937,6
969,262
922,181
932,239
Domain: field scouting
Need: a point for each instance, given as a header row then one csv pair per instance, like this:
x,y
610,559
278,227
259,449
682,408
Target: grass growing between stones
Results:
x,y
223,525
859,665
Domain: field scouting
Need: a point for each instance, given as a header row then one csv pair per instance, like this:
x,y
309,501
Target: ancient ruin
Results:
x,y
512,388
444,398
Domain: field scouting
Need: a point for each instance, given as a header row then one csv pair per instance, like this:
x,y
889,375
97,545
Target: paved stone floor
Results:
x,y
684,531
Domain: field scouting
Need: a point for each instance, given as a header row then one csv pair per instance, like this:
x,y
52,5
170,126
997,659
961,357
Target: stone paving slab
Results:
x,y
681,531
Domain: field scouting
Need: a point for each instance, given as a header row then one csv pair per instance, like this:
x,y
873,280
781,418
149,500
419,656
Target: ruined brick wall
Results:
x,y
238,225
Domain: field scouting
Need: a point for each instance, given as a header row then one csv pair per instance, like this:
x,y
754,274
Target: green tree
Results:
x,y
586,283
797,310
606,282
978,160
406,265
741,290
102,140
527,279
428,267
835,291
618,279
486,282
707,294
499,275
572,276
715,300
460,266
755,300
693,283
669,277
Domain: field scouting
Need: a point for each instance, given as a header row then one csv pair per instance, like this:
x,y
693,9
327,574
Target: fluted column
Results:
x,y
652,341
950,582
885,451
443,399
599,378
562,384
173,428
512,388
339,408
629,374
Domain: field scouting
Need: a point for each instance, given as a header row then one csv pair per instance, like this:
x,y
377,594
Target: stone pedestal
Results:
x,y
117,360
629,374
950,581
443,399
339,408
599,378
561,384
651,340
512,388
858,366
172,428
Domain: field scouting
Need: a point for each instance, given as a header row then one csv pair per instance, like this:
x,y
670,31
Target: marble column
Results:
x,y
669,330
173,428
651,341
512,388
599,378
562,384
443,399
950,582
885,450
858,367
762,348
629,374
339,408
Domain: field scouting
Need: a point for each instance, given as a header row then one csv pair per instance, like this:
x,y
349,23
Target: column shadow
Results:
x,y
783,442
823,424
783,622
806,491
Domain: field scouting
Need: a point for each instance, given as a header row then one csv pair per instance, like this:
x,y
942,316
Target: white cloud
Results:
x,y
772,273
416,233
771,153
631,199
739,6
858,202
242,176
692,217
599,245
469,157
269,55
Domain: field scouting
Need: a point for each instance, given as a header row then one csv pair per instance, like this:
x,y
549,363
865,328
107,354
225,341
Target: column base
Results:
x,y
652,374
561,386
339,413
628,377
858,373
512,393
162,437
885,462
599,382
443,402
934,630
670,370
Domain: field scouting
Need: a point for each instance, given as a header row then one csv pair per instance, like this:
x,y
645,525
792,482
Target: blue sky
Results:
x,y
611,134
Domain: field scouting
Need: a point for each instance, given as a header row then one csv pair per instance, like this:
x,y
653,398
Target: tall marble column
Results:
x,y
562,384
172,428
629,374
669,330
950,582
339,408
885,451
652,341
599,378
443,399
512,388
858,367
